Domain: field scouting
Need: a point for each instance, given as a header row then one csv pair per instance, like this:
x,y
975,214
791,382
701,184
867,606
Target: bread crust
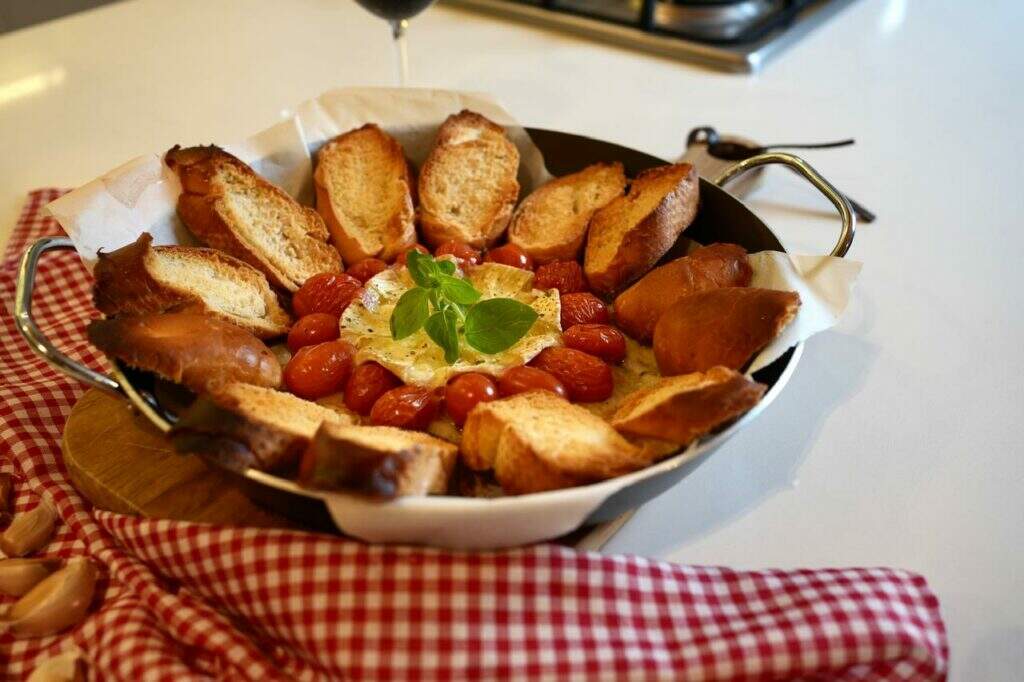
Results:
x,y
638,308
720,327
199,208
642,244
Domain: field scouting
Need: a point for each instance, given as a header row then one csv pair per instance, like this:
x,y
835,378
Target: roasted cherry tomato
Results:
x,y
464,253
582,308
328,292
601,340
522,379
316,371
586,378
405,254
369,382
312,329
564,275
465,391
407,407
366,268
510,254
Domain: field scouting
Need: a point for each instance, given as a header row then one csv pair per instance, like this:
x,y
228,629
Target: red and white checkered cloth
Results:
x,y
182,601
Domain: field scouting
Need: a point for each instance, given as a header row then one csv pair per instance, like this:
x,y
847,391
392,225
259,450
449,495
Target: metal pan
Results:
x,y
470,522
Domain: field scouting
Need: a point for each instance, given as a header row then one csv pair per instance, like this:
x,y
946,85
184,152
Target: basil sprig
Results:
x,y
448,308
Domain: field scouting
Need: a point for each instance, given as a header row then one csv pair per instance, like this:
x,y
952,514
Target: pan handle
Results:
x,y
37,341
812,176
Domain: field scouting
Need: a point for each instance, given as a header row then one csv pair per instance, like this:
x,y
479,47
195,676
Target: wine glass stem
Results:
x,y
398,29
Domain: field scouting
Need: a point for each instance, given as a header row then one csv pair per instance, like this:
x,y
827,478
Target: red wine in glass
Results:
x,y
397,13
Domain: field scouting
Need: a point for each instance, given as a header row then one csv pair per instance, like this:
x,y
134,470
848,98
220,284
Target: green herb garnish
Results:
x,y
489,326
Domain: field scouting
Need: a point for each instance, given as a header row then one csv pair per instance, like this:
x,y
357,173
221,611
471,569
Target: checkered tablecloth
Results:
x,y
181,601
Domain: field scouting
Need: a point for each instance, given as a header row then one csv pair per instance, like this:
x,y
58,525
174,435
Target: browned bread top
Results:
x,y
467,185
630,234
551,223
638,308
200,352
229,207
364,193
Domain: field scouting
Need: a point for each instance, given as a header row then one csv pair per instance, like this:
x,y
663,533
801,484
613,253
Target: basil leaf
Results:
x,y
457,290
445,266
441,328
421,269
410,313
497,323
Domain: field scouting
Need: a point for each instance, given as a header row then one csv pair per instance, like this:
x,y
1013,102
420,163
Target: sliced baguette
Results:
x,y
538,441
229,207
552,222
141,278
377,460
363,192
683,408
629,235
246,425
467,185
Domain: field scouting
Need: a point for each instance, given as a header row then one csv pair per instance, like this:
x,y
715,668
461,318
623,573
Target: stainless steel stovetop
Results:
x,y
732,35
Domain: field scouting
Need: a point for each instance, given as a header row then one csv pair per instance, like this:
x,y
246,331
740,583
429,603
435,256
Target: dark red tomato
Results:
x,y
522,379
586,378
405,254
328,292
601,340
407,407
510,254
583,308
368,383
564,275
320,370
311,330
367,268
464,253
465,391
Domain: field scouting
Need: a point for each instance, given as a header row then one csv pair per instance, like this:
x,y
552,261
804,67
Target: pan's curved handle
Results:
x,y
37,341
800,166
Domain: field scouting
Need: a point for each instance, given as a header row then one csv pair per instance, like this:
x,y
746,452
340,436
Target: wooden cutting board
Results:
x,y
121,463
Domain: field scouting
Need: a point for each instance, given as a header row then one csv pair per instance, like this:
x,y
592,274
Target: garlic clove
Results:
x,y
56,603
29,531
64,667
6,484
18,576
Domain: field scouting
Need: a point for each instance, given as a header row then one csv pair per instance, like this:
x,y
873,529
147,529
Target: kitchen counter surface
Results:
x,y
898,440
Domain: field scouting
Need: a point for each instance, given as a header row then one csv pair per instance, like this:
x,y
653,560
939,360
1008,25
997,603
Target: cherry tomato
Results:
x,y
601,340
583,308
465,391
464,253
312,329
328,292
586,378
510,254
522,379
407,407
564,275
405,254
317,371
366,268
369,382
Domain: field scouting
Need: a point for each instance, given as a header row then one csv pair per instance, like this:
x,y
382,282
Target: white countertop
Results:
x,y
898,440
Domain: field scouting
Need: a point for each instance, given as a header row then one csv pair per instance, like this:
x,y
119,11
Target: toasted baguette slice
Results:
x,y
246,426
229,207
467,185
363,192
638,308
377,460
683,408
552,222
629,235
199,352
538,441
140,278
720,327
